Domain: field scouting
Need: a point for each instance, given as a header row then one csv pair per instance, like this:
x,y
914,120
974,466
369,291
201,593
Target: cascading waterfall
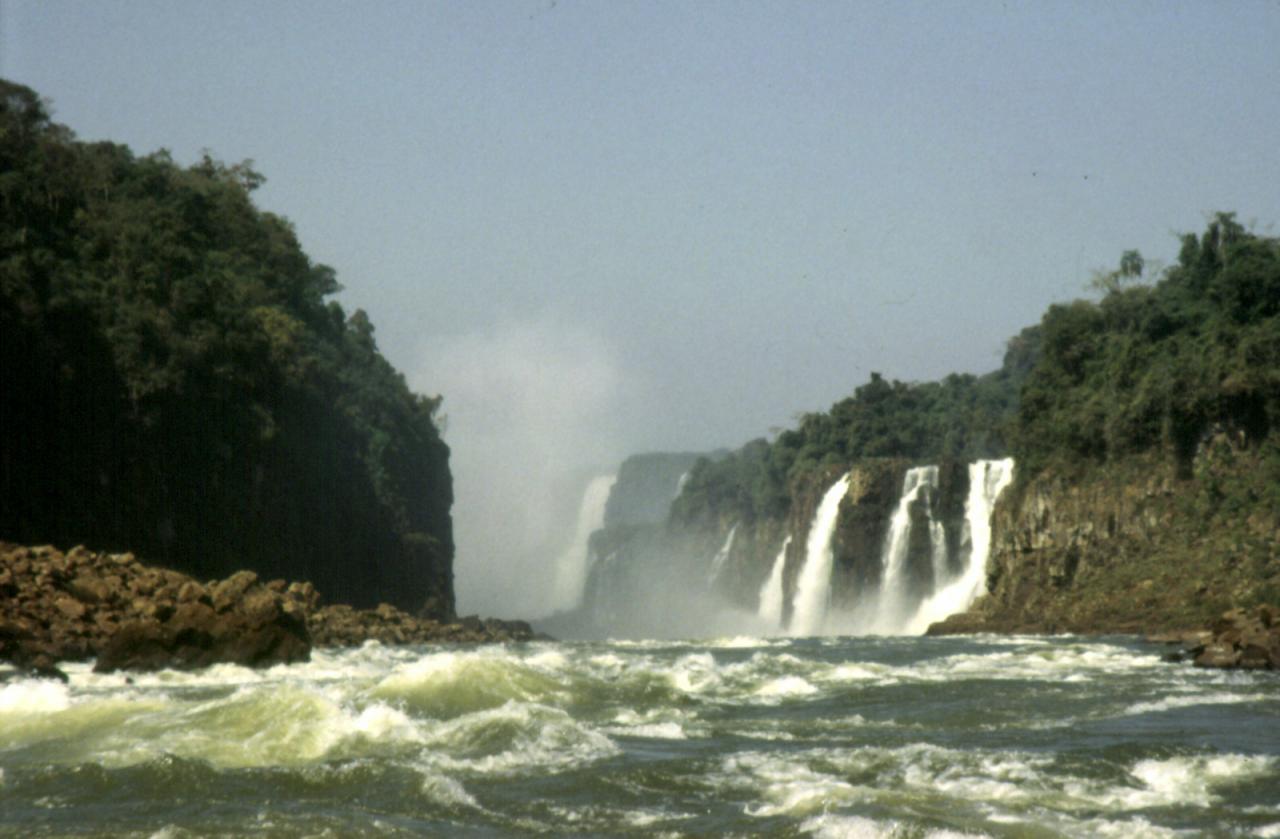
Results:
x,y
771,591
574,563
813,588
891,608
717,562
987,479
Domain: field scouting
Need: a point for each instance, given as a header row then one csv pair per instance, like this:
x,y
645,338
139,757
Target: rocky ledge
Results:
x,y
1247,639
80,605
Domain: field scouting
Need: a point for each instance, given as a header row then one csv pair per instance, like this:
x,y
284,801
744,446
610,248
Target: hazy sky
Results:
x,y
602,227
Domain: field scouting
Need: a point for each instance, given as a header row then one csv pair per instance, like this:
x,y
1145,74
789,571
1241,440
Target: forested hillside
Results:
x,y
177,383
1153,367
960,418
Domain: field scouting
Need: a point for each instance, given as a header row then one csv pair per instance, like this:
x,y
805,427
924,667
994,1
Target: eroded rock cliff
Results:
x,y
1138,545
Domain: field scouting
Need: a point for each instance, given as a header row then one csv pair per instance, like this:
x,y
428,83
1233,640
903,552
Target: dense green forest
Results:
x,y
962,417
1152,366
176,382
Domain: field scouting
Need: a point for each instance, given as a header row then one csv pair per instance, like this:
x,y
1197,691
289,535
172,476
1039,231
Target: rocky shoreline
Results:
x,y
1247,639
82,605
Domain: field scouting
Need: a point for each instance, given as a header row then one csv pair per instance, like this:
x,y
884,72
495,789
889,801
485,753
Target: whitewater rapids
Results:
x,y
876,737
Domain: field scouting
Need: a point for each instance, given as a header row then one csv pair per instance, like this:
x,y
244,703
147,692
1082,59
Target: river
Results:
x,y
827,737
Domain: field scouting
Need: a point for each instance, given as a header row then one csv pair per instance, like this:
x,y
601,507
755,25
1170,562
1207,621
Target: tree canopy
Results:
x,y
177,381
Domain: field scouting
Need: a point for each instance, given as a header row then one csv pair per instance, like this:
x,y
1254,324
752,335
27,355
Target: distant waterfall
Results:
x,y
771,591
987,479
717,562
813,588
892,608
680,482
573,564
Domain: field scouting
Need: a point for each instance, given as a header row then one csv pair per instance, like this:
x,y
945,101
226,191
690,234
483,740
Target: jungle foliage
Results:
x,y
1155,366
1148,367
962,417
177,383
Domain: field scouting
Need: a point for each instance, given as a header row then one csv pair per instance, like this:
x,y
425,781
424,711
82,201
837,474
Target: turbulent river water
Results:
x,y
862,737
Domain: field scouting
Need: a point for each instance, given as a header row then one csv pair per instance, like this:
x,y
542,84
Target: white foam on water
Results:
x,y
445,684
785,687
742,642
1191,700
787,787
830,826
694,674
28,697
654,731
1191,780
857,673
1268,831
659,723
514,737
448,791
1077,662
382,723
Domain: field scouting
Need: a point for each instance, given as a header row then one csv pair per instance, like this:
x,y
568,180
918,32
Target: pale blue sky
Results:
x,y
605,227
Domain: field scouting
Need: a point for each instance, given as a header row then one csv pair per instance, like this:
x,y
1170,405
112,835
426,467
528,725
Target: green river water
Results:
x,y
826,737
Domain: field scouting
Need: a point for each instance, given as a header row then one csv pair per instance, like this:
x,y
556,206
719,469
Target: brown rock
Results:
x,y
226,593
190,592
1218,655
70,607
1254,657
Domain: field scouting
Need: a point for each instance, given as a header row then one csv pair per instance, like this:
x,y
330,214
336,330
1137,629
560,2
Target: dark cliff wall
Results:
x,y
1146,440
177,383
1141,544
646,486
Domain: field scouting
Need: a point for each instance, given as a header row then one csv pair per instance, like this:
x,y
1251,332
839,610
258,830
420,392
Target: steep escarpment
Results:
x,y
1143,427
729,555
1149,487
1141,544
178,383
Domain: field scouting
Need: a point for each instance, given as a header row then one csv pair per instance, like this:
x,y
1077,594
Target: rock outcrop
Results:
x,y
1248,639
1143,545
81,605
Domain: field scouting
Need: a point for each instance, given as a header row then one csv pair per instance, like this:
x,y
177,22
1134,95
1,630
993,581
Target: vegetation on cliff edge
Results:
x,y
1154,367
177,383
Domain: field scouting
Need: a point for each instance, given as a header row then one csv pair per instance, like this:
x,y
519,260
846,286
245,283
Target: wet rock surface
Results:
x,y
81,605
1248,639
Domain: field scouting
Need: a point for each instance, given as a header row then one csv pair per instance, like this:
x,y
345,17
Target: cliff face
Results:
x,y
709,572
1139,545
645,487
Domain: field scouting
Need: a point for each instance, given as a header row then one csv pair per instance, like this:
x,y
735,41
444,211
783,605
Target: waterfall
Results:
x,y
813,588
771,591
987,479
717,561
891,606
573,564
680,482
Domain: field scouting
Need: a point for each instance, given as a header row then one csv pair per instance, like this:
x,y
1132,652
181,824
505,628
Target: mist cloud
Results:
x,y
532,412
